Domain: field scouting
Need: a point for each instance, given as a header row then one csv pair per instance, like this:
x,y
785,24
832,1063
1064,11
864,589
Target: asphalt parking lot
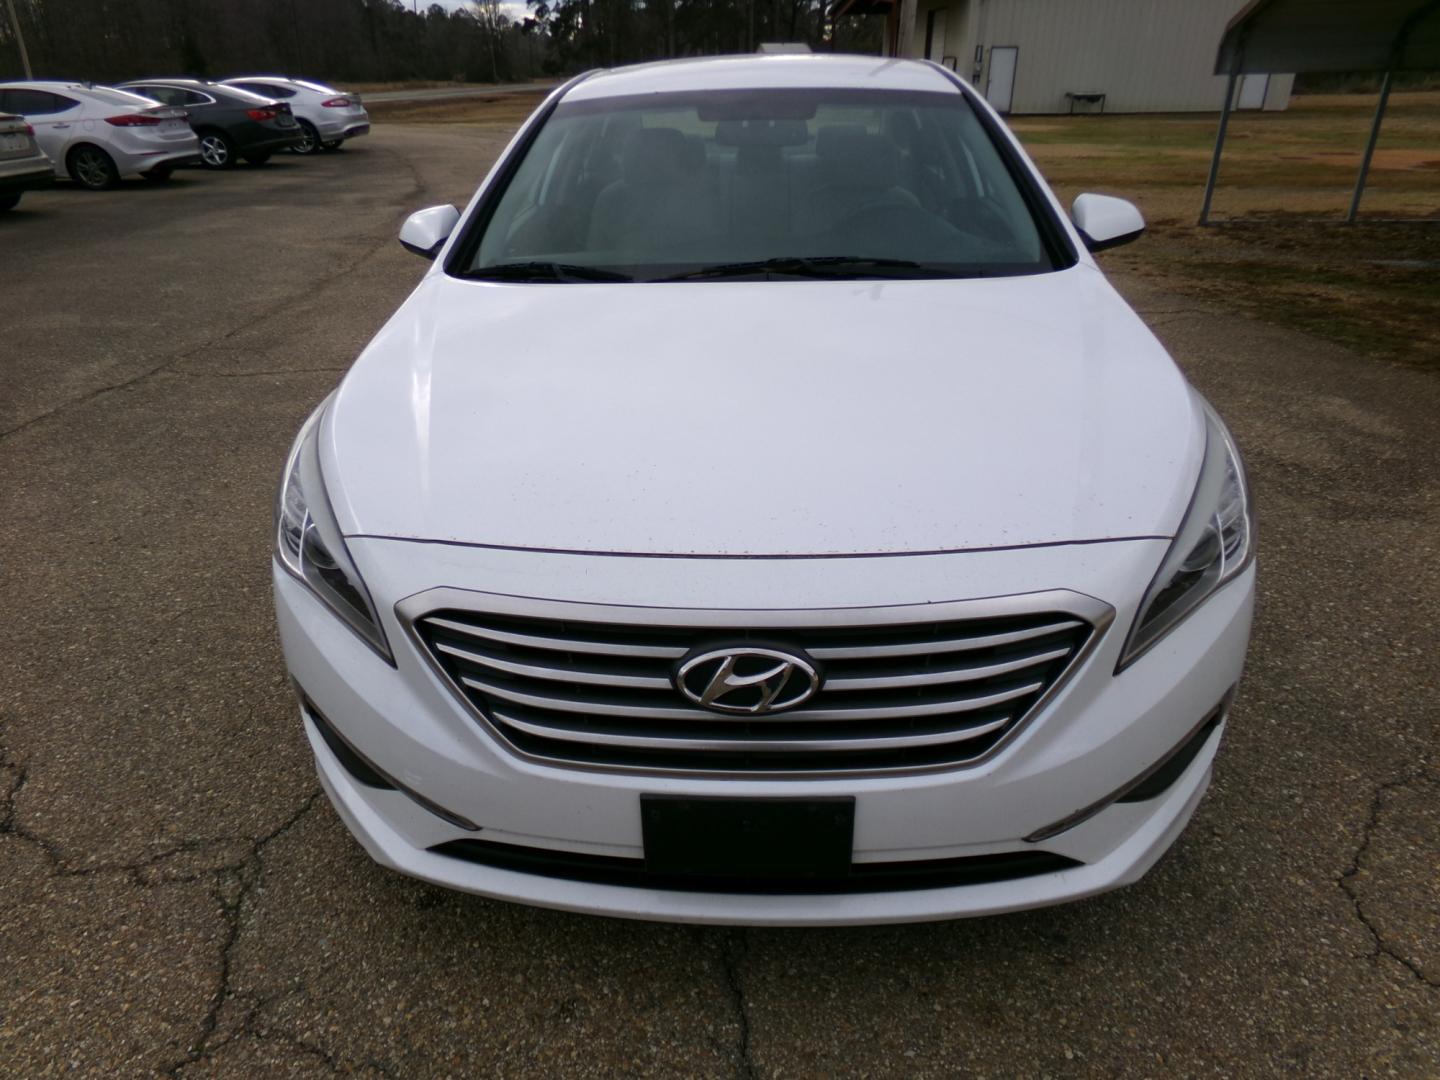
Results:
x,y
176,896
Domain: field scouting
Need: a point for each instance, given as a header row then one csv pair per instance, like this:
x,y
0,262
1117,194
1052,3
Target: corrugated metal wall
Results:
x,y
1144,55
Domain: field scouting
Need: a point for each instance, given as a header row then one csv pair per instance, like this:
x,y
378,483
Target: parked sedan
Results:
x,y
765,511
97,134
230,122
23,165
327,116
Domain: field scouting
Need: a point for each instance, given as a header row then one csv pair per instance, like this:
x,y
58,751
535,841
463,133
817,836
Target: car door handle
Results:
x,y
57,127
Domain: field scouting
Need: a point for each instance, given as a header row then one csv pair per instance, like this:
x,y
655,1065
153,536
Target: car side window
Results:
x,y
191,97
38,102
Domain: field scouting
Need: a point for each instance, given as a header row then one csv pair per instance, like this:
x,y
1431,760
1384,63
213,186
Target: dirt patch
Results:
x,y
507,110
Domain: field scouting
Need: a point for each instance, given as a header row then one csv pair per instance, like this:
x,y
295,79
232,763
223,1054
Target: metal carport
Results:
x,y
1326,35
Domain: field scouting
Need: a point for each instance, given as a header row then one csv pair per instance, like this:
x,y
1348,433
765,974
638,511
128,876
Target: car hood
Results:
x,y
764,418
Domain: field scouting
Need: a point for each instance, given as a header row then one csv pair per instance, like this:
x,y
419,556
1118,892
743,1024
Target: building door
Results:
x,y
935,36
1000,88
1252,91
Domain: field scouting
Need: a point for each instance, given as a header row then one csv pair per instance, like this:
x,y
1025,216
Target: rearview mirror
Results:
x,y
426,231
1105,221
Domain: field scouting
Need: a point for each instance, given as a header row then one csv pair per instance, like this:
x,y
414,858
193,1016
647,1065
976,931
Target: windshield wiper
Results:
x,y
544,271
820,267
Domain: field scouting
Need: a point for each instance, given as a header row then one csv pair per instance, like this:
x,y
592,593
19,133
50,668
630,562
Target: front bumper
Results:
x,y
1098,733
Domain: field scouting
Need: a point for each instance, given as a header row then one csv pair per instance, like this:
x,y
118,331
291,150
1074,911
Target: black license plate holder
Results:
x,y
758,839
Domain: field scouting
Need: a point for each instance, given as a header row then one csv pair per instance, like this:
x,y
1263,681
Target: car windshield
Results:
x,y
768,184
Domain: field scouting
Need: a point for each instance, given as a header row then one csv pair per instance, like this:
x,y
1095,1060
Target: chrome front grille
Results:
x,y
903,688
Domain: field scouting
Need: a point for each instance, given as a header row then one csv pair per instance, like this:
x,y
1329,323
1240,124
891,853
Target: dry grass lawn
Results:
x,y
1282,249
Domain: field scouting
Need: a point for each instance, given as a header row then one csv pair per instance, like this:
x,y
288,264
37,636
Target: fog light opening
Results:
x,y
366,772
1150,784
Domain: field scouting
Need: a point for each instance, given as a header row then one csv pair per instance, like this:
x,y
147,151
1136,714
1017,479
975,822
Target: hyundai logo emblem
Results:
x,y
747,680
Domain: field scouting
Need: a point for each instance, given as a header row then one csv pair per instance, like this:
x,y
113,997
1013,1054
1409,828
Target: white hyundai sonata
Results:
x,y
764,511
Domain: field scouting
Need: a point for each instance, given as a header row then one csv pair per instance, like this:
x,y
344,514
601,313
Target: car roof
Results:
x,y
62,87
168,81
756,72
50,84
288,80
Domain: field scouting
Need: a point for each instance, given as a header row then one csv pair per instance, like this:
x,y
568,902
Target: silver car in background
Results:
x,y
98,135
23,166
327,116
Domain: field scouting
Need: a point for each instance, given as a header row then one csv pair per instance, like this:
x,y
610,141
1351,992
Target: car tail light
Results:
x,y
268,113
29,130
337,103
133,120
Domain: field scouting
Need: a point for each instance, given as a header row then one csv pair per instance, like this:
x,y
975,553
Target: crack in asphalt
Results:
x,y
254,374
232,884
733,947
10,826
335,1064
1347,879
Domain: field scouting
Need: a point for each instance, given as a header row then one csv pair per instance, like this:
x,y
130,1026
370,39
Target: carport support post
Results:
x,y
1220,140
20,37
905,32
1369,150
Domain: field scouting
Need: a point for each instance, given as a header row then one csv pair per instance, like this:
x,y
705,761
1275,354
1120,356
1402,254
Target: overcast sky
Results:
x,y
514,8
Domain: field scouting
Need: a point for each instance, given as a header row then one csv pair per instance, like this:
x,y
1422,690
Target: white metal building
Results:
x,y
1058,56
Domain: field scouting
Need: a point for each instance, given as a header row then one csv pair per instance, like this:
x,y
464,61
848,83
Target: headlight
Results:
x,y
308,542
1215,542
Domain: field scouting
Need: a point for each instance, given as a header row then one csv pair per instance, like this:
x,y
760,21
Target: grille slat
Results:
x,y
603,648
944,675
556,674
930,648
895,694
568,703
733,743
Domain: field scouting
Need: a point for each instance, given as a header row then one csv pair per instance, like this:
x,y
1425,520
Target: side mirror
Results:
x,y
1105,221
426,231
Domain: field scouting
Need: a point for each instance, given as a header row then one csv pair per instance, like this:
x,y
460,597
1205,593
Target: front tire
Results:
x,y
92,168
310,139
9,202
216,150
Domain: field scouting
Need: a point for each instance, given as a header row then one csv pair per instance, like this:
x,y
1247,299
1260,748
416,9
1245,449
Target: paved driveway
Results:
x,y
175,895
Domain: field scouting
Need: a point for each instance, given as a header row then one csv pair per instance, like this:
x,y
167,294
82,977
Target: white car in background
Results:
x,y
23,167
328,116
98,135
